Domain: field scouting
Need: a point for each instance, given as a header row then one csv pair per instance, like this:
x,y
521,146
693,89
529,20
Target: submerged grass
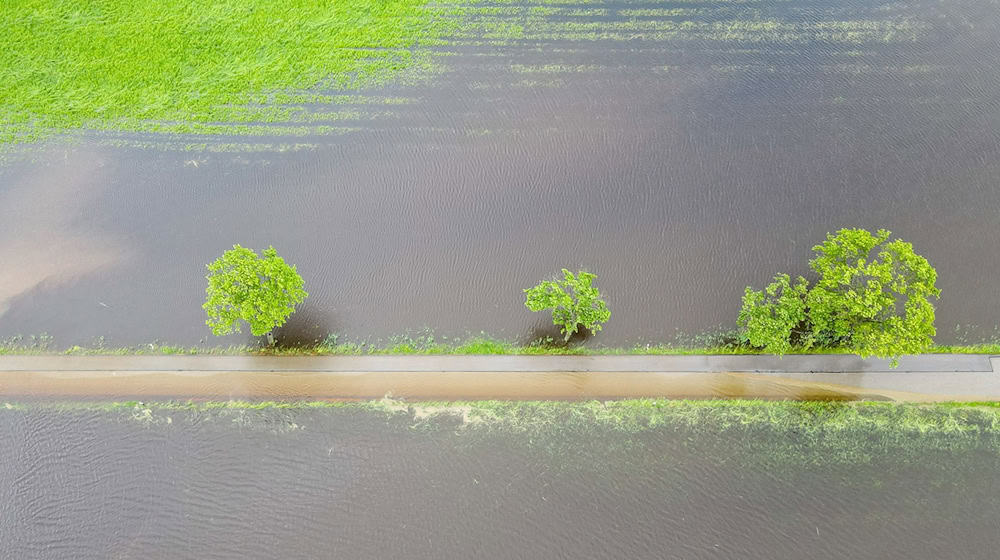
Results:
x,y
767,437
628,415
140,66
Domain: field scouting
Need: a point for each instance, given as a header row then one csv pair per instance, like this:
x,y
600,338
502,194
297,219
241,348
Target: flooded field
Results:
x,y
680,150
634,479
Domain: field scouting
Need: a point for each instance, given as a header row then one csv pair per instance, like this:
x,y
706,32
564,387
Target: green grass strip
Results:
x,y
427,345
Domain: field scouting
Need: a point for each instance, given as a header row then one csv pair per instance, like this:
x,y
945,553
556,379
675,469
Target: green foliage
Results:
x,y
574,302
877,305
261,290
871,297
772,316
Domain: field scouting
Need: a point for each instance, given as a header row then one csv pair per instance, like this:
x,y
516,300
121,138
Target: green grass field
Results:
x,y
138,66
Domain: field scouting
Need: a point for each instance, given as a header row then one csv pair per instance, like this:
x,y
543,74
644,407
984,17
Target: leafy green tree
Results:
x,y
574,302
873,294
261,290
872,297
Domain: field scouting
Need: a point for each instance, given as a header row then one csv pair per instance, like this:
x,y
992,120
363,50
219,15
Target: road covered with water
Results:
x,y
926,378
630,479
681,151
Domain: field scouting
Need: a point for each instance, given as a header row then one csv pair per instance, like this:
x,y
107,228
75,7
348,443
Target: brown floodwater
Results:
x,y
325,483
459,385
678,166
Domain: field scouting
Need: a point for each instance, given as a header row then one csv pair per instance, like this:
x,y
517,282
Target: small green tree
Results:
x,y
872,297
261,290
574,302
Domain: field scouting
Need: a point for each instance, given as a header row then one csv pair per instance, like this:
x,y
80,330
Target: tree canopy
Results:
x,y
574,302
260,290
872,297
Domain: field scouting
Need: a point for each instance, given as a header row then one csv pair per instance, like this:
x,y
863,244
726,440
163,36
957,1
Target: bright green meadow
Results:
x,y
180,64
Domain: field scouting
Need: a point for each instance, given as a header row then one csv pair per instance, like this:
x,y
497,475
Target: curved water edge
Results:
x,y
919,378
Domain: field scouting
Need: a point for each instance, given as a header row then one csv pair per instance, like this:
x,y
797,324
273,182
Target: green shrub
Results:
x,y
772,317
871,297
261,290
574,302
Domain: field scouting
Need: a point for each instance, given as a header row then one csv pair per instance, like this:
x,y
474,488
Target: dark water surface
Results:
x,y
680,150
148,483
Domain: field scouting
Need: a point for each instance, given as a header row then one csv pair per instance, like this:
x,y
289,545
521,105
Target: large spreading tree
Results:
x,y
872,297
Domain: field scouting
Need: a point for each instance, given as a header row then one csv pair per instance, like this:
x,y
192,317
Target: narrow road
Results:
x,y
938,377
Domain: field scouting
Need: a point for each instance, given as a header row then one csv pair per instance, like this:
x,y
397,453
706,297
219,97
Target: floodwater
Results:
x,y
680,151
326,483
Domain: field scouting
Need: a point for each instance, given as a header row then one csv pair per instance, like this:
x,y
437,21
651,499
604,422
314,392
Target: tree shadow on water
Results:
x,y
544,334
306,328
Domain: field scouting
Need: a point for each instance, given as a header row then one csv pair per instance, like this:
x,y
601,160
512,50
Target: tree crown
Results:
x,y
574,302
871,296
261,290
